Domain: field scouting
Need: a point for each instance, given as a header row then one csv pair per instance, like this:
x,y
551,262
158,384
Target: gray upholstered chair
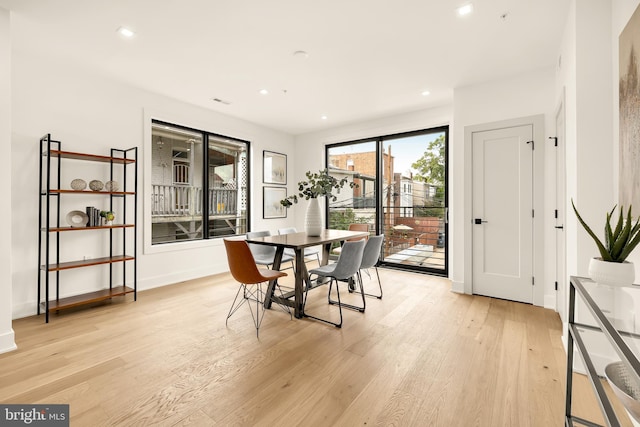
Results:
x,y
370,259
264,254
308,252
344,269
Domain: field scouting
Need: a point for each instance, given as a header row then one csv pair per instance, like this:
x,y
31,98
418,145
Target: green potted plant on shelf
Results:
x,y
318,184
108,217
612,268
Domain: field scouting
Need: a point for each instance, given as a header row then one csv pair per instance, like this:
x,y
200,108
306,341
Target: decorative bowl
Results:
x,y
111,186
96,185
77,219
625,387
78,184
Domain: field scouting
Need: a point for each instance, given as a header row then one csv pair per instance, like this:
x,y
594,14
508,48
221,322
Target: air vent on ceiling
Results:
x,y
221,101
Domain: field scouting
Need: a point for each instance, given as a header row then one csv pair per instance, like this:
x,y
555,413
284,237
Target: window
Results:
x,y
402,194
199,184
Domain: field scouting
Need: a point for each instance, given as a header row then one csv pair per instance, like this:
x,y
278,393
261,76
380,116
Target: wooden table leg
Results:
x,y
326,248
277,260
301,279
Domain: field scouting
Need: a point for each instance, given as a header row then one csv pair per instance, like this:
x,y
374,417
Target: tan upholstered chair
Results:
x,y
244,270
353,227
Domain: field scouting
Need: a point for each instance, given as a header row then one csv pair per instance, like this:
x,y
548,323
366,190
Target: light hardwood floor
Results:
x,y
422,356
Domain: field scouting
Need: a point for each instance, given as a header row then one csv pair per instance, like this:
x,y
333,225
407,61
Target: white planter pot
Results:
x,y
612,273
313,218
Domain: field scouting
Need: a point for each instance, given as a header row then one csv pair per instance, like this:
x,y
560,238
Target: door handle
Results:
x,y
479,221
560,227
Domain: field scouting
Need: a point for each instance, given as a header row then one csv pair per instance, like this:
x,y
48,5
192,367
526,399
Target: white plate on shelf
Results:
x,y
77,219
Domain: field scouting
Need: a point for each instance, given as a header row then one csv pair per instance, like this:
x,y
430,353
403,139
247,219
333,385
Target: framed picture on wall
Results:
x,y
629,104
274,168
271,207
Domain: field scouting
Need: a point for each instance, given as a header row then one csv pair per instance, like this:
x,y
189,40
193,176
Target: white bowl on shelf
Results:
x,y
77,219
625,387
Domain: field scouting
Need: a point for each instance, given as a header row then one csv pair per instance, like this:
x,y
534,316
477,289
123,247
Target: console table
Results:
x,y
621,342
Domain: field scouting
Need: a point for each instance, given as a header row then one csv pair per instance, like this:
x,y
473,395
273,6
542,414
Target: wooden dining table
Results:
x,y
298,242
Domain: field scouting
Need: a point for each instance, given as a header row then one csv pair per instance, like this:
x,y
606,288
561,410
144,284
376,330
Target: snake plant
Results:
x,y
619,241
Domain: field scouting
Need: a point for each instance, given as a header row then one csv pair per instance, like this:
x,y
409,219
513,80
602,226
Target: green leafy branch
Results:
x,y
319,184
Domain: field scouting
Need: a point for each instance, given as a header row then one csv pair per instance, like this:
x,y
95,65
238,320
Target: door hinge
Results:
x,y
555,215
533,213
532,144
556,286
555,140
533,280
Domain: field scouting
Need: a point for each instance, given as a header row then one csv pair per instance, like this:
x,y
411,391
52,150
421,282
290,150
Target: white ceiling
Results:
x,y
367,58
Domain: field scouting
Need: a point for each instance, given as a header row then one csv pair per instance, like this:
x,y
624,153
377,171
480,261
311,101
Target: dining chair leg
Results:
x,y
249,297
352,283
283,307
379,284
234,308
304,303
259,315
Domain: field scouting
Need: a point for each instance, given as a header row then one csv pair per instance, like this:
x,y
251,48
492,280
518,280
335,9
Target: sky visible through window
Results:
x,y
405,150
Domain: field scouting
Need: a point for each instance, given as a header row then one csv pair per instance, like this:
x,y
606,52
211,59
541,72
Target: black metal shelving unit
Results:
x,y
575,340
50,228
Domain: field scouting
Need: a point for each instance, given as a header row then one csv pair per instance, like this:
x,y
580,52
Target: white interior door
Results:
x,y
503,213
561,262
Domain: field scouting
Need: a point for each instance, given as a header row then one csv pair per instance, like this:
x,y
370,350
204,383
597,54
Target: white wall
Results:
x,y
585,74
7,341
525,95
88,112
522,96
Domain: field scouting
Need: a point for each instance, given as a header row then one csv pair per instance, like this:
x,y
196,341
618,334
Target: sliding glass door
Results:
x,y
402,194
358,162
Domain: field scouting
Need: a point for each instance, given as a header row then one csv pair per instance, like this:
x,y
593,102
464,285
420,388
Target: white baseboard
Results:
x,y
30,308
170,279
25,309
550,302
457,287
7,342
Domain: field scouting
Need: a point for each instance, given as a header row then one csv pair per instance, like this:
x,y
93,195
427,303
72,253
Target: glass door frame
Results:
x,y
379,185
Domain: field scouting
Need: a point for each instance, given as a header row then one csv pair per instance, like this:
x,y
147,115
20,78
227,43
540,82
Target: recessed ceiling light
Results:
x,y
324,117
125,32
465,10
300,54
264,92
426,93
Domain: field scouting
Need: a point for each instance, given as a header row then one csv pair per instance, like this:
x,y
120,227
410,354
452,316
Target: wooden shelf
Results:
x,y
87,262
89,157
101,227
85,192
88,298
52,243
